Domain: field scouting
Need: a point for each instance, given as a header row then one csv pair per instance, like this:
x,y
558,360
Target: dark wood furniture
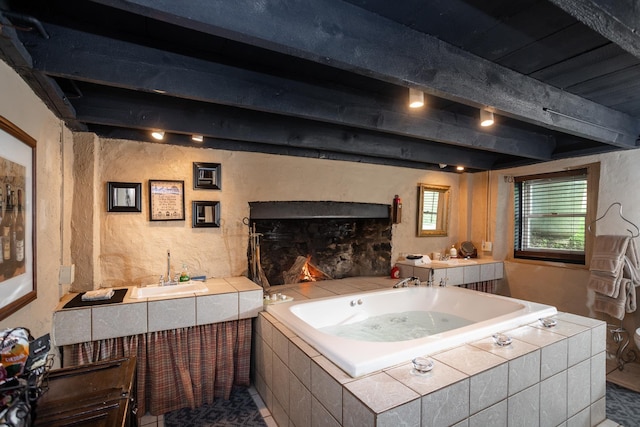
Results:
x,y
97,394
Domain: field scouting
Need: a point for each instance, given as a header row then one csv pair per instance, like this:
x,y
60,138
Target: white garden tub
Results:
x,y
319,323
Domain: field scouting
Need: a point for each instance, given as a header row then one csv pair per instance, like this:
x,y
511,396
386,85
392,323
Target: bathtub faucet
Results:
x,y
405,282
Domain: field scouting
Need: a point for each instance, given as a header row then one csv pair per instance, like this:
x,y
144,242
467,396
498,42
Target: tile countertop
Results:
x,y
227,299
453,262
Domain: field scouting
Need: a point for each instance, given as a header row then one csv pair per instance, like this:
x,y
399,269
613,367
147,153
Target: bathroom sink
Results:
x,y
456,261
169,291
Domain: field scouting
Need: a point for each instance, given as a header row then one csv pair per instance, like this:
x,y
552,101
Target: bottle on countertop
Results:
x,y
453,253
184,276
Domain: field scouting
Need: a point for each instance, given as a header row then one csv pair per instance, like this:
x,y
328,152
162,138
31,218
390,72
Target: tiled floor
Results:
x,y
629,377
632,373
153,421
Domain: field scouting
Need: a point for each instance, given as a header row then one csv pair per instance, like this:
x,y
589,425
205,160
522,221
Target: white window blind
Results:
x,y
550,214
430,210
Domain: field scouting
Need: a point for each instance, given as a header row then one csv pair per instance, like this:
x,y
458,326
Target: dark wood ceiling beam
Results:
x,y
17,56
344,36
618,21
111,132
80,56
144,111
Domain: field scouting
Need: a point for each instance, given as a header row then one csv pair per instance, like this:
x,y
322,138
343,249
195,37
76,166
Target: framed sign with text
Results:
x,y
166,200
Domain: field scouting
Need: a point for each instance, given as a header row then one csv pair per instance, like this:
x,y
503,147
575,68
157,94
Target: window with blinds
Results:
x,y
430,210
550,215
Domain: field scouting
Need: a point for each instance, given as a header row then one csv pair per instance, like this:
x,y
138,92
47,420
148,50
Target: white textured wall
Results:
x,y
133,249
564,286
19,105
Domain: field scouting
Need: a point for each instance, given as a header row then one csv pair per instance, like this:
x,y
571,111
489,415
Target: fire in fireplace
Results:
x,y
310,241
303,270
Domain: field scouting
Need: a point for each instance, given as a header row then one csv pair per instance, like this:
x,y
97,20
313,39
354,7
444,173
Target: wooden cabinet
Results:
x,y
97,394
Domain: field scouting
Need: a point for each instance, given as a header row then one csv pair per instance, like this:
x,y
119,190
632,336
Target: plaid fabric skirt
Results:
x,y
179,368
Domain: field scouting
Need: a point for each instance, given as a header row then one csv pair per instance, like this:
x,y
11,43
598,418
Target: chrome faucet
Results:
x,y
168,266
405,282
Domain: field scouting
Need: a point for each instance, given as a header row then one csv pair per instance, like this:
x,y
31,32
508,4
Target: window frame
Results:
x,y
592,172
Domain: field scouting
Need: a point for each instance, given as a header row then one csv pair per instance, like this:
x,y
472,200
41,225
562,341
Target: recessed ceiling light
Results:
x,y
197,138
486,118
158,134
459,168
416,98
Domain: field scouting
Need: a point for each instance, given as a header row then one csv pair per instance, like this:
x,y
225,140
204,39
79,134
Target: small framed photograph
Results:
x,y
206,176
124,197
166,200
206,214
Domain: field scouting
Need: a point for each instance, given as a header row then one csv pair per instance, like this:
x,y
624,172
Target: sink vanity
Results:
x,y
192,341
455,271
158,308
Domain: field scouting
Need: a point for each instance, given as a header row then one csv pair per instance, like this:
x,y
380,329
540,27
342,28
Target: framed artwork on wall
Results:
x,y
207,176
205,214
124,197
166,200
17,226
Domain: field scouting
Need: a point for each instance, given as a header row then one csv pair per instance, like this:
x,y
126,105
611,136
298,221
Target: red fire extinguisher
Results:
x,y
397,210
395,272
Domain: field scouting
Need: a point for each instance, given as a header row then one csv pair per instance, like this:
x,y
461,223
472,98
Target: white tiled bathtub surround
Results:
x,y
531,382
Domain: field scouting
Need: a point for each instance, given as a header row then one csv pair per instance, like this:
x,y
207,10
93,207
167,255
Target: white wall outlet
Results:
x,y
487,246
67,274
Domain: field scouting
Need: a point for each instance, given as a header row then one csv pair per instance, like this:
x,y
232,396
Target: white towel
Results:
x,y
614,278
608,254
98,295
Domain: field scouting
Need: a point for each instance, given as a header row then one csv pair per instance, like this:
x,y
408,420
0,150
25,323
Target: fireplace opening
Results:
x,y
311,241
303,270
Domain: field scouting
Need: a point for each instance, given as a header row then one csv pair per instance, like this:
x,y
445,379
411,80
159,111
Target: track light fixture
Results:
x,y
486,118
416,98
158,134
197,138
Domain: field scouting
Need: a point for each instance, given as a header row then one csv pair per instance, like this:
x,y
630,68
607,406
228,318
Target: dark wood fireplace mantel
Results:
x,y
317,209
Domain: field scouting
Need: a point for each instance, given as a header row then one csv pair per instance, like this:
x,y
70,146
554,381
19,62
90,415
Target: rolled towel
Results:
x,y
98,295
630,303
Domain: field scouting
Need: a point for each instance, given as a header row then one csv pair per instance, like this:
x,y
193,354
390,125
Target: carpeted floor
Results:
x,y
239,411
623,405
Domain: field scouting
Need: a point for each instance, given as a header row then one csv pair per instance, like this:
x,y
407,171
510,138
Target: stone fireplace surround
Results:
x,y
343,239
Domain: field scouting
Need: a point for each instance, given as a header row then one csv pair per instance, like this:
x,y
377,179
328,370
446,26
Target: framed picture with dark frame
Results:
x,y
18,225
124,197
205,214
166,200
206,176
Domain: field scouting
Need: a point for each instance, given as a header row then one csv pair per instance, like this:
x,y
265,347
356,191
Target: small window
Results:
x,y
550,216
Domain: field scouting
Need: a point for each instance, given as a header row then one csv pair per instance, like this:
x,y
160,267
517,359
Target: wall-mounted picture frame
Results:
x,y
124,197
18,186
205,214
207,176
166,200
